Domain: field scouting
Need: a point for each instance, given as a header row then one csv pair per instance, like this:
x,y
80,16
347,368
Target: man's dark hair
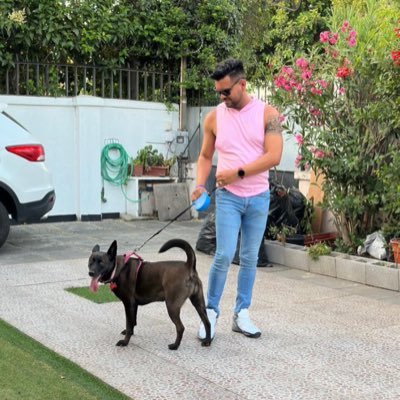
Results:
x,y
231,67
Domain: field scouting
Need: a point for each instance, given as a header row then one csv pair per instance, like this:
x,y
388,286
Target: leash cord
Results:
x,y
169,223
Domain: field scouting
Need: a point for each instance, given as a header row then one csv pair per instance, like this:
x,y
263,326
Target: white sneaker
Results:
x,y
212,317
243,324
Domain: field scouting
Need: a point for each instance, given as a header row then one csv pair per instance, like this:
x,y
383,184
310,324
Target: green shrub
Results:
x,y
319,249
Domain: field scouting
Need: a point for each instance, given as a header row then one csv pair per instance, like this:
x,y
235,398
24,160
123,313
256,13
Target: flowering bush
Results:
x,y
390,175
342,104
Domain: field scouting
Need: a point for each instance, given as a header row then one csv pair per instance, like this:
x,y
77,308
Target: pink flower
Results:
x,y
297,161
315,112
342,90
282,118
343,72
352,41
299,139
306,75
335,54
323,83
319,154
316,91
287,87
334,38
345,26
324,36
287,70
302,63
396,57
280,81
353,33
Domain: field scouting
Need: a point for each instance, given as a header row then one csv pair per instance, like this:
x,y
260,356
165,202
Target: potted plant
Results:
x,y
137,169
155,163
281,233
139,161
395,245
149,161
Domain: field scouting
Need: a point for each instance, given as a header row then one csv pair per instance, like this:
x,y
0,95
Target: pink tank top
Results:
x,y
239,141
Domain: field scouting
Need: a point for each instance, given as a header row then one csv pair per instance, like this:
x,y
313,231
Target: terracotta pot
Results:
x,y
313,238
156,171
138,170
328,238
395,243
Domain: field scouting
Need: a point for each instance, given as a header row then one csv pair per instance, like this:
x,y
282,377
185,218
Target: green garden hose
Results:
x,y
115,170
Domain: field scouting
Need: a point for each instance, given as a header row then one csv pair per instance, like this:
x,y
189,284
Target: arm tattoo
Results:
x,y
274,126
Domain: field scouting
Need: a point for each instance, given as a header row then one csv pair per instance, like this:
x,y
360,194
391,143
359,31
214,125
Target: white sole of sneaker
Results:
x,y
235,328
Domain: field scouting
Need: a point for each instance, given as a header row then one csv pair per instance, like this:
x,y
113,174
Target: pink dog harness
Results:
x,y
127,256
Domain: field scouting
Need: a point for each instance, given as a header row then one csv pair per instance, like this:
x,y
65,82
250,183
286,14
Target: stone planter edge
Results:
x,y
338,265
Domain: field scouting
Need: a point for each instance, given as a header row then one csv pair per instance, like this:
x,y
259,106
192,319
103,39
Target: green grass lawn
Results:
x,y
32,371
103,295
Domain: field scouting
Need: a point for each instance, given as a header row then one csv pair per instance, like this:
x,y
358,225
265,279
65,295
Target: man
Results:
x,y
248,138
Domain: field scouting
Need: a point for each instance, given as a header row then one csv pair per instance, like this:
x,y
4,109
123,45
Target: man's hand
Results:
x,y
226,177
200,189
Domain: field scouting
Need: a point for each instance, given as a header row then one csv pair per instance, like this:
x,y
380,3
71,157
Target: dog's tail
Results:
x,y
182,244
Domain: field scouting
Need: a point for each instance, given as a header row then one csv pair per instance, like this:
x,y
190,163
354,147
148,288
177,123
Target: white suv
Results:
x,y
26,188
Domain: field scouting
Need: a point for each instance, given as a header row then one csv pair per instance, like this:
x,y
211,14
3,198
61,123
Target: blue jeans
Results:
x,y
233,214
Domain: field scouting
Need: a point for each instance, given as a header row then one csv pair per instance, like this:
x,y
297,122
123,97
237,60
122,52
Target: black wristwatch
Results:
x,y
241,173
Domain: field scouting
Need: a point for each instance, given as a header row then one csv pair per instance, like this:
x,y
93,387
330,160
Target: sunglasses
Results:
x,y
227,92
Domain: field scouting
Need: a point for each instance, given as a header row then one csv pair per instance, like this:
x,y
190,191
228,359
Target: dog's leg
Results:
x,y
134,316
174,313
130,316
197,300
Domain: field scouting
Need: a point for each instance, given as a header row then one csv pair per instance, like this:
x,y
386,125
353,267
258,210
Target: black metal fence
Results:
x,y
57,80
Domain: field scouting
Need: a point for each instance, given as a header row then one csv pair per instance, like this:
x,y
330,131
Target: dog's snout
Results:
x,y
91,273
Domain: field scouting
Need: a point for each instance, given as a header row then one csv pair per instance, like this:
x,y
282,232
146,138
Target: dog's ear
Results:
x,y
96,248
112,251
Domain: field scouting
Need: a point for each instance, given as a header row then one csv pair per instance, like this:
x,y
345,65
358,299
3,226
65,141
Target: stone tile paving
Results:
x,y
323,338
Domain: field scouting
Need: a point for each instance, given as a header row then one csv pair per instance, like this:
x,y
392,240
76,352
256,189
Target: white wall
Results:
x,y
74,132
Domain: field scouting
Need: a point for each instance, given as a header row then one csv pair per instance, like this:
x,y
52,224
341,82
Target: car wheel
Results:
x,y
4,224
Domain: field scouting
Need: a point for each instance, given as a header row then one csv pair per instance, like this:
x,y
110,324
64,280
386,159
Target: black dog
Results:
x,y
136,282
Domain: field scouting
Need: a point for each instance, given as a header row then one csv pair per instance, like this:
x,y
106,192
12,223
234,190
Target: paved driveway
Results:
x,y
323,338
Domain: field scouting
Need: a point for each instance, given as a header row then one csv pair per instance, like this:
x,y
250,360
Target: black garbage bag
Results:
x,y
207,242
287,207
207,239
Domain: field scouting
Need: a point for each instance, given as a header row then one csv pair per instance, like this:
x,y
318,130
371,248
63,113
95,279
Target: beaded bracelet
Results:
x,y
200,186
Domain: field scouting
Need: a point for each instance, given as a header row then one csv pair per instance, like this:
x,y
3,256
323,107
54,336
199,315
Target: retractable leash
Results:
x,y
201,204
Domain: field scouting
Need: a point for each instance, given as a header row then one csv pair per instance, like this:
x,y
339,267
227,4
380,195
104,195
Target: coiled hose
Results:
x,y
115,170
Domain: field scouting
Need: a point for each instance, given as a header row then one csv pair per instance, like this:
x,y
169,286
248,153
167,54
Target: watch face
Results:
x,y
241,173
